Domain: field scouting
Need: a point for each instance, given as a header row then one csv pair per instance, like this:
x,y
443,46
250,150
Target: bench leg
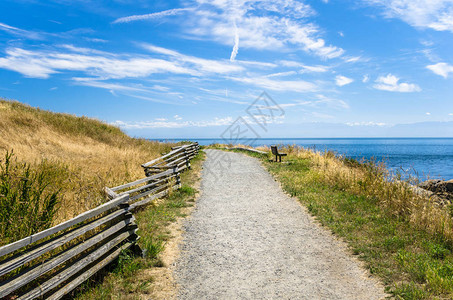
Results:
x,y
280,158
276,158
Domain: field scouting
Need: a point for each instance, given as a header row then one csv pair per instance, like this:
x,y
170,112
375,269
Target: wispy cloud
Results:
x,y
343,80
279,85
304,68
104,65
21,32
156,15
235,50
434,14
331,102
283,28
41,64
391,83
370,124
201,64
442,69
163,123
281,74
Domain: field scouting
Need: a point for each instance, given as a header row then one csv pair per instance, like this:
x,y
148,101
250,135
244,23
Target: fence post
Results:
x,y
178,176
134,237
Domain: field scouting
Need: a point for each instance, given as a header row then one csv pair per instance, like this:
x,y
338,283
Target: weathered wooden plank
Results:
x,y
74,221
184,158
135,197
184,164
31,274
121,187
146,186
111,194
17,261
83,277
175,157
151,198
59,278
171,153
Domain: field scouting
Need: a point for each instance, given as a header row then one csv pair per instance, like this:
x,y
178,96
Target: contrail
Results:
x,y
236,43
155,15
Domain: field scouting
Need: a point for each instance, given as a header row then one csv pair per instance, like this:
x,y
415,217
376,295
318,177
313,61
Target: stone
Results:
x,y
443,186
429,184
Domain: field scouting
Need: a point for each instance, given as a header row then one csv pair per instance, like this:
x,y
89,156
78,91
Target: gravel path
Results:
x,y
246,239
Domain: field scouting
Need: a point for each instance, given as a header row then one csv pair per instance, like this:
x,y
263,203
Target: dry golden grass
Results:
x,y
85,154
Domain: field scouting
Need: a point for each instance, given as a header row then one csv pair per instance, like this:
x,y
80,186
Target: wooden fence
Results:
x,y
51,263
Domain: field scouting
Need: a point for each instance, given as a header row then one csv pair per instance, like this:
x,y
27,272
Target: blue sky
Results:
x,y
191,68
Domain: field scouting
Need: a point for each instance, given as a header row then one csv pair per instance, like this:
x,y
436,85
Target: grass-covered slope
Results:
x,y
60,164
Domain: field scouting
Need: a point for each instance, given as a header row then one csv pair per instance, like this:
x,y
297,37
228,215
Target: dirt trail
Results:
x,y
246,239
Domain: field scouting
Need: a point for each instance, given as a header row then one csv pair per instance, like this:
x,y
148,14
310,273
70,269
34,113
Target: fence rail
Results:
x,y
51,263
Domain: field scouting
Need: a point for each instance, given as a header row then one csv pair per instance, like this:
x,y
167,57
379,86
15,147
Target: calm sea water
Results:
x,y
421,157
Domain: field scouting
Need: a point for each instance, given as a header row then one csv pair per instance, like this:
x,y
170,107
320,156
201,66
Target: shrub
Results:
x,y
28,202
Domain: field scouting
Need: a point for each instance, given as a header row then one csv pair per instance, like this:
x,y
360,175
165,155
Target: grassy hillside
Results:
x,y
60,161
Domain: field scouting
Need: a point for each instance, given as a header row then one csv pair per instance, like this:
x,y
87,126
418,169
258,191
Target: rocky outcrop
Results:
x,y
442,191
438,186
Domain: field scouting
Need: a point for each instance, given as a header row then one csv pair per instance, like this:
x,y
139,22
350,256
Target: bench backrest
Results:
x,y
274,150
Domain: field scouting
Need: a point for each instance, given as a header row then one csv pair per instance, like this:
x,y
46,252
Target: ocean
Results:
x,y
420,157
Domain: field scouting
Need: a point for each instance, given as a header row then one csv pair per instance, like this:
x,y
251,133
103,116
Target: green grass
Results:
x,y
412,263
121,281
29,198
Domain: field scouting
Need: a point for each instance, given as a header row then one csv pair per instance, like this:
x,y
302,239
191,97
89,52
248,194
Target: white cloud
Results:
x,y
204,65
373,124
177,117
321,115
93,82
279,85
21,32
96,40
391,83
343,80
295,64
280,74
434,14
41,64
314,69
331,102
428,113
365,78
269,25
104,65
162,123
235,50
442,69
353,59
156,15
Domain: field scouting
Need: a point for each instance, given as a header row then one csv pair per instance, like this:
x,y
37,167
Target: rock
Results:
x,y
444,187
429,184
442,191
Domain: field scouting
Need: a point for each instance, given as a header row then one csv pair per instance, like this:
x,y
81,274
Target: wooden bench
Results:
x,y
275,152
